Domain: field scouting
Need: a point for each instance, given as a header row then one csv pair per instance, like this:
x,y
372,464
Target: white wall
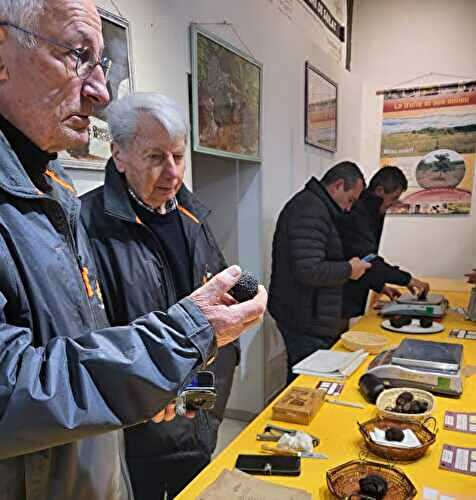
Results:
x,y
396,41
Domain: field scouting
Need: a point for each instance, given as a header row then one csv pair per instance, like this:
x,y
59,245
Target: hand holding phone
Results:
x,y
370,257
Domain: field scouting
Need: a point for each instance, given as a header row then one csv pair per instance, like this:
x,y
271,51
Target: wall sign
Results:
x,y
324,14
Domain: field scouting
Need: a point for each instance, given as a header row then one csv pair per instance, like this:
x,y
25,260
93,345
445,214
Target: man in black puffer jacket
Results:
x,y
309,268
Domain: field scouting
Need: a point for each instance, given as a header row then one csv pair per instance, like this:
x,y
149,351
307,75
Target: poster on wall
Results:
x,y
116,36
430,133
226,93
320,110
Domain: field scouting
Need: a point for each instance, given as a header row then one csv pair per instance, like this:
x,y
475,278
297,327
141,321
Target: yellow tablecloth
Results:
x,y
336,426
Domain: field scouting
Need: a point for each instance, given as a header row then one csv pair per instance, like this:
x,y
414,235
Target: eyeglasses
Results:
x,y
85,60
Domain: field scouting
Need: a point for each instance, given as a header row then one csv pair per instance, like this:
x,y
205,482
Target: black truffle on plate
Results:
x,y
246,287
373,486
394,434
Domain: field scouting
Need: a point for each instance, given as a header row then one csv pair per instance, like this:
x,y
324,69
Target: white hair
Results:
x,y
25,14
123,116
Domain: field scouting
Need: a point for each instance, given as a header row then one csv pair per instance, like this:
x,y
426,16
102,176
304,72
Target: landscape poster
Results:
x,y
430,133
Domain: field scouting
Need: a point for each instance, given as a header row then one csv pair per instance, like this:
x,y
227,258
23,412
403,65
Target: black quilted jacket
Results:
x,y
308,268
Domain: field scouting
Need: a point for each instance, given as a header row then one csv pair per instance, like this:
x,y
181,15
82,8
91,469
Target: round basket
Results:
x,y
389,397
343,480
394,453
370,342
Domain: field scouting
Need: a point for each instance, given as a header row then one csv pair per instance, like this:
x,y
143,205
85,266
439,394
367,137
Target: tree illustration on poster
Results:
x,y
430,133
116,34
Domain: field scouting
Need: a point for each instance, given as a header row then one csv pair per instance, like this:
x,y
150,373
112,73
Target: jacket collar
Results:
x,y
320,191
118,204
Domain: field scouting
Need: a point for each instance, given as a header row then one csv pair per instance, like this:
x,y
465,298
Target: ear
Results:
x,y
339,185
117,156
3,66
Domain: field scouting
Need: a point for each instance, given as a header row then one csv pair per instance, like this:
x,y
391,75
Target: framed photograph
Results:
x,y
116,34
226,98
320,110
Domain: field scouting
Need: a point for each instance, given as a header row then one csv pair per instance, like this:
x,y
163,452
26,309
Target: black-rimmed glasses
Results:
x,y
85,60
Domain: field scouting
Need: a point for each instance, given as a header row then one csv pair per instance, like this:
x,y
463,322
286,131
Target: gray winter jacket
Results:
x,y
68,381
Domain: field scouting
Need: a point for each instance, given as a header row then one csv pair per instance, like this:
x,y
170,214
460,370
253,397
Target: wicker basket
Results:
x,y
394,453
343,480
389,397
370,342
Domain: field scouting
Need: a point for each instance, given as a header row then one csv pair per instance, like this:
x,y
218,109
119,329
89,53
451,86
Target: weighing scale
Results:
x,y
432,306
445,382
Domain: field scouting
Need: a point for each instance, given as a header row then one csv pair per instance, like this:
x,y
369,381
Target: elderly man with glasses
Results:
x,y
69,382
153,246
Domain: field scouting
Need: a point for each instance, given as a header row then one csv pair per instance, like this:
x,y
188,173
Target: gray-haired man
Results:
x,y
153,246
67,379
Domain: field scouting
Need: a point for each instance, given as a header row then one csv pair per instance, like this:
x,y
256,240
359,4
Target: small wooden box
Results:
x,y
298,405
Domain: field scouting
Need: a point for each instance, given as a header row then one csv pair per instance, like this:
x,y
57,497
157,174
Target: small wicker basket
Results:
x,y
343,480
389,397
369,342
394,453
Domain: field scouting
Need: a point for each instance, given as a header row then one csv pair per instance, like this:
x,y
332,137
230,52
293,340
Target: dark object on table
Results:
x,y
399,321
394,434
274,465
246,287
426,322
392,452
343,480
404,397
370,386
373,486
406,403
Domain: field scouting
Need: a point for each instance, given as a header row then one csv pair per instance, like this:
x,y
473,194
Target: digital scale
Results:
x,y
429,378
432,306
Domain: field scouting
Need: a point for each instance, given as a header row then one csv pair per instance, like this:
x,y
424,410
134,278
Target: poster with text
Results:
x,y
430,133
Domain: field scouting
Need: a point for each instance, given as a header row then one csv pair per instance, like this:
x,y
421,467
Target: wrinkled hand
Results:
x,y
168,414
359,267
471,277
418,287
391,293
228,318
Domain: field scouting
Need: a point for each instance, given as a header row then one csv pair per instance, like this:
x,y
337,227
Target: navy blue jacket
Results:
x,y
67,379
137,278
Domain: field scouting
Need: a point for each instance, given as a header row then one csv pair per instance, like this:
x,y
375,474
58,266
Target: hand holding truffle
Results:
x,y
232,302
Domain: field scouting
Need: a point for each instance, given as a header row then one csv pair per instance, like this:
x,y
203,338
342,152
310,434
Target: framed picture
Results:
x,y
320,110
226,98
116,34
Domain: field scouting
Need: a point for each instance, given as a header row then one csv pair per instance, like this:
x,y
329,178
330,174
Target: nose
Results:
x,y
171,168
95,89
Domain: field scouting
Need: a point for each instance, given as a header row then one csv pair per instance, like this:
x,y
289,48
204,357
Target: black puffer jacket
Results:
x,y
308,268
361,231
136,277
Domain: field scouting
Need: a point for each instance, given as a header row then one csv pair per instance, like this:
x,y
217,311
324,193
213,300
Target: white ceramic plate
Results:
x,y
414,327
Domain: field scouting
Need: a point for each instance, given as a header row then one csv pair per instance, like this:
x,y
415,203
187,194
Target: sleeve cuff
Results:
x,y
198,329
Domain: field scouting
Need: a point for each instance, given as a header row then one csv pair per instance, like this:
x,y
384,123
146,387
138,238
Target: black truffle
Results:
x,y
426,322
394,434
246,287
373,486
399,321
404,397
